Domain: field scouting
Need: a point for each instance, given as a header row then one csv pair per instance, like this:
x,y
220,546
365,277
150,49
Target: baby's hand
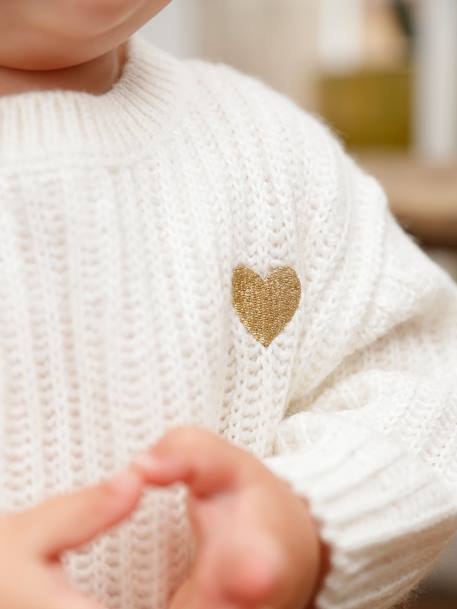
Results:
x,y
257,545
31,542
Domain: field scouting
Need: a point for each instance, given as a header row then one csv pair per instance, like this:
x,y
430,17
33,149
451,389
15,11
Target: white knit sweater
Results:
x,y
122,220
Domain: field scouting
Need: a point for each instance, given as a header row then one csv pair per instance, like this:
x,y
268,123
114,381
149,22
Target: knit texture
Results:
x,y
122,219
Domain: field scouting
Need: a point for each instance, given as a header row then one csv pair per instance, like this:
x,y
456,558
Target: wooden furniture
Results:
x,y
423,197
430,601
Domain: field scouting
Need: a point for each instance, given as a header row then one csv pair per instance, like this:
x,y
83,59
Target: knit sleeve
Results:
x,y
369,437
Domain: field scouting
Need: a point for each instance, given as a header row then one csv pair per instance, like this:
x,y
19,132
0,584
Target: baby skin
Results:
x,y
257,545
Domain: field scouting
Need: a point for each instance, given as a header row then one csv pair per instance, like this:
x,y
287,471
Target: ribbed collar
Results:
x,y
125,119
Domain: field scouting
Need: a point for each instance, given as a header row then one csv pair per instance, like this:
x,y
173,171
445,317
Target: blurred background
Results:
x,y
383,74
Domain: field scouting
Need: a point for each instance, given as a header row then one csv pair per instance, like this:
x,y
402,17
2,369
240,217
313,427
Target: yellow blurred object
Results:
x,y
369,108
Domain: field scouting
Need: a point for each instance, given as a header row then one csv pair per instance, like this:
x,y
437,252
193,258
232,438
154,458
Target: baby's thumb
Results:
x,y
75,601
69,521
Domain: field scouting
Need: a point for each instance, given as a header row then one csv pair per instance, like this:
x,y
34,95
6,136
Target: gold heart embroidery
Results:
x,y
265,306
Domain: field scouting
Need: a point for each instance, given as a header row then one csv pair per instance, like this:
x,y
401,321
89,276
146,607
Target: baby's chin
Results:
x,y
98,18
56,39
80,19
58,56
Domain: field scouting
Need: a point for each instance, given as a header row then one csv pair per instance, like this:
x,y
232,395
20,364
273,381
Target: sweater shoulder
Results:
x,y
266,124
250,101
273,137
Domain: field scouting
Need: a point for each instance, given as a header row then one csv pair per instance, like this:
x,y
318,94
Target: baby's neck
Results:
x,y
96,76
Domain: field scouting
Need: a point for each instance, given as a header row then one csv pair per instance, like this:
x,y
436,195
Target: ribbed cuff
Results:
x,y
384,514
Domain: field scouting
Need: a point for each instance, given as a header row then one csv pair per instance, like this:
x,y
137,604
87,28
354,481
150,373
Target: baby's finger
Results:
x,y
69,521
74,601
202,460
46,591
245,572
78,604
190,596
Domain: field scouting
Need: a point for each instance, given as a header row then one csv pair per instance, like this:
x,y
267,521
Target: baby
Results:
x,y
193,271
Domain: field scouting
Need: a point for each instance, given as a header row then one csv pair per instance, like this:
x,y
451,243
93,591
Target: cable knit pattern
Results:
x,y
122,218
